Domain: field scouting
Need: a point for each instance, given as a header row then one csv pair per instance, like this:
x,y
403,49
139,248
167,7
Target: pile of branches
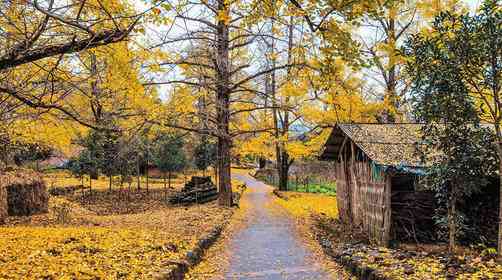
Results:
x,y
481,217
412,216
197,190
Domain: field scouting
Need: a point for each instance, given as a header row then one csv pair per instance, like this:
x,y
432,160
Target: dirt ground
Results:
x,y
123,234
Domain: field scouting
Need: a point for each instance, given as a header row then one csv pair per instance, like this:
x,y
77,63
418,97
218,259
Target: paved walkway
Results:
x,y
267,248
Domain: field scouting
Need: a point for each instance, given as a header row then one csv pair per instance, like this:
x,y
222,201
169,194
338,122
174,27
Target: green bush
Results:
x,y
324,188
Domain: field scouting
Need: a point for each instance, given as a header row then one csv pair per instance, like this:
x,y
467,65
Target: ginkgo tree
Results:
x,y
384,27
39,38
298,95
211,48
223,67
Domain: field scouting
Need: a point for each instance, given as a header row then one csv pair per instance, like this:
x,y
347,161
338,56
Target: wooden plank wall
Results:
x,y
363,196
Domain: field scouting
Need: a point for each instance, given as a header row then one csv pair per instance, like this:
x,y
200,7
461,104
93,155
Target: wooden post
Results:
x,y
352,190
388,212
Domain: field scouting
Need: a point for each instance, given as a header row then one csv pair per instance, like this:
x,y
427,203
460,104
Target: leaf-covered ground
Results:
x,y
406,262
304,204
400,264
61,178
89,239
85,253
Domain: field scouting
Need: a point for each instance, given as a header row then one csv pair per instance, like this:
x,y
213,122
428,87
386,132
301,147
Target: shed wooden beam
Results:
x,y
342,147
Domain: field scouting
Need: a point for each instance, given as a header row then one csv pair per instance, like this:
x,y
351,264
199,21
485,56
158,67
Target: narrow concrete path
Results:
x,y
268,248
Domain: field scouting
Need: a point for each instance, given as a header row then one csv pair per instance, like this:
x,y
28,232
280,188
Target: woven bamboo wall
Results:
x,y
342,192
363,193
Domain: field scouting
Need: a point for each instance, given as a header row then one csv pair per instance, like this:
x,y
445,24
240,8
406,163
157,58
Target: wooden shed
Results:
x,y
373,162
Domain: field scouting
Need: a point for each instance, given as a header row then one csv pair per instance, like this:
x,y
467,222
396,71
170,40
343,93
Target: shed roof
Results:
x,y
385,144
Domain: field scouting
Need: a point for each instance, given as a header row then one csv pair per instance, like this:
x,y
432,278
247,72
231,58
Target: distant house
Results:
x,y
153,171
373,164
54,161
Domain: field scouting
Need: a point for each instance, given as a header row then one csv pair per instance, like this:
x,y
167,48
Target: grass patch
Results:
x,y
304,185
322,188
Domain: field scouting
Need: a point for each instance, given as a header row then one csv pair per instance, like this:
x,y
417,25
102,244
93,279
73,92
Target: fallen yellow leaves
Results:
x,y
304,204
60,178
94,241
84,253
397,265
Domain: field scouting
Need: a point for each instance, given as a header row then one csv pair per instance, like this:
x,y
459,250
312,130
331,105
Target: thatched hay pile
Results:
x,y
26,192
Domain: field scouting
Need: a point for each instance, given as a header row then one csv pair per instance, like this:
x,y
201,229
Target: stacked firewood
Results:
x,y
412,214
197,190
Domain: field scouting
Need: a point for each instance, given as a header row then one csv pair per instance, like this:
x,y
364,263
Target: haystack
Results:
x,y
26,192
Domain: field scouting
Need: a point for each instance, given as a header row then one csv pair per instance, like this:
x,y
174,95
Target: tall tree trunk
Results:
x,y
223,106
165,185
275,114
138,175
215,168
452,215
224,179
147,172
284,173
283,129
499,239
262,162
499,152
94,173
495,66
169,179
391,94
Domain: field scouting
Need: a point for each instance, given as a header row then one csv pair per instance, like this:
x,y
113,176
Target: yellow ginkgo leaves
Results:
x,y
83,253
